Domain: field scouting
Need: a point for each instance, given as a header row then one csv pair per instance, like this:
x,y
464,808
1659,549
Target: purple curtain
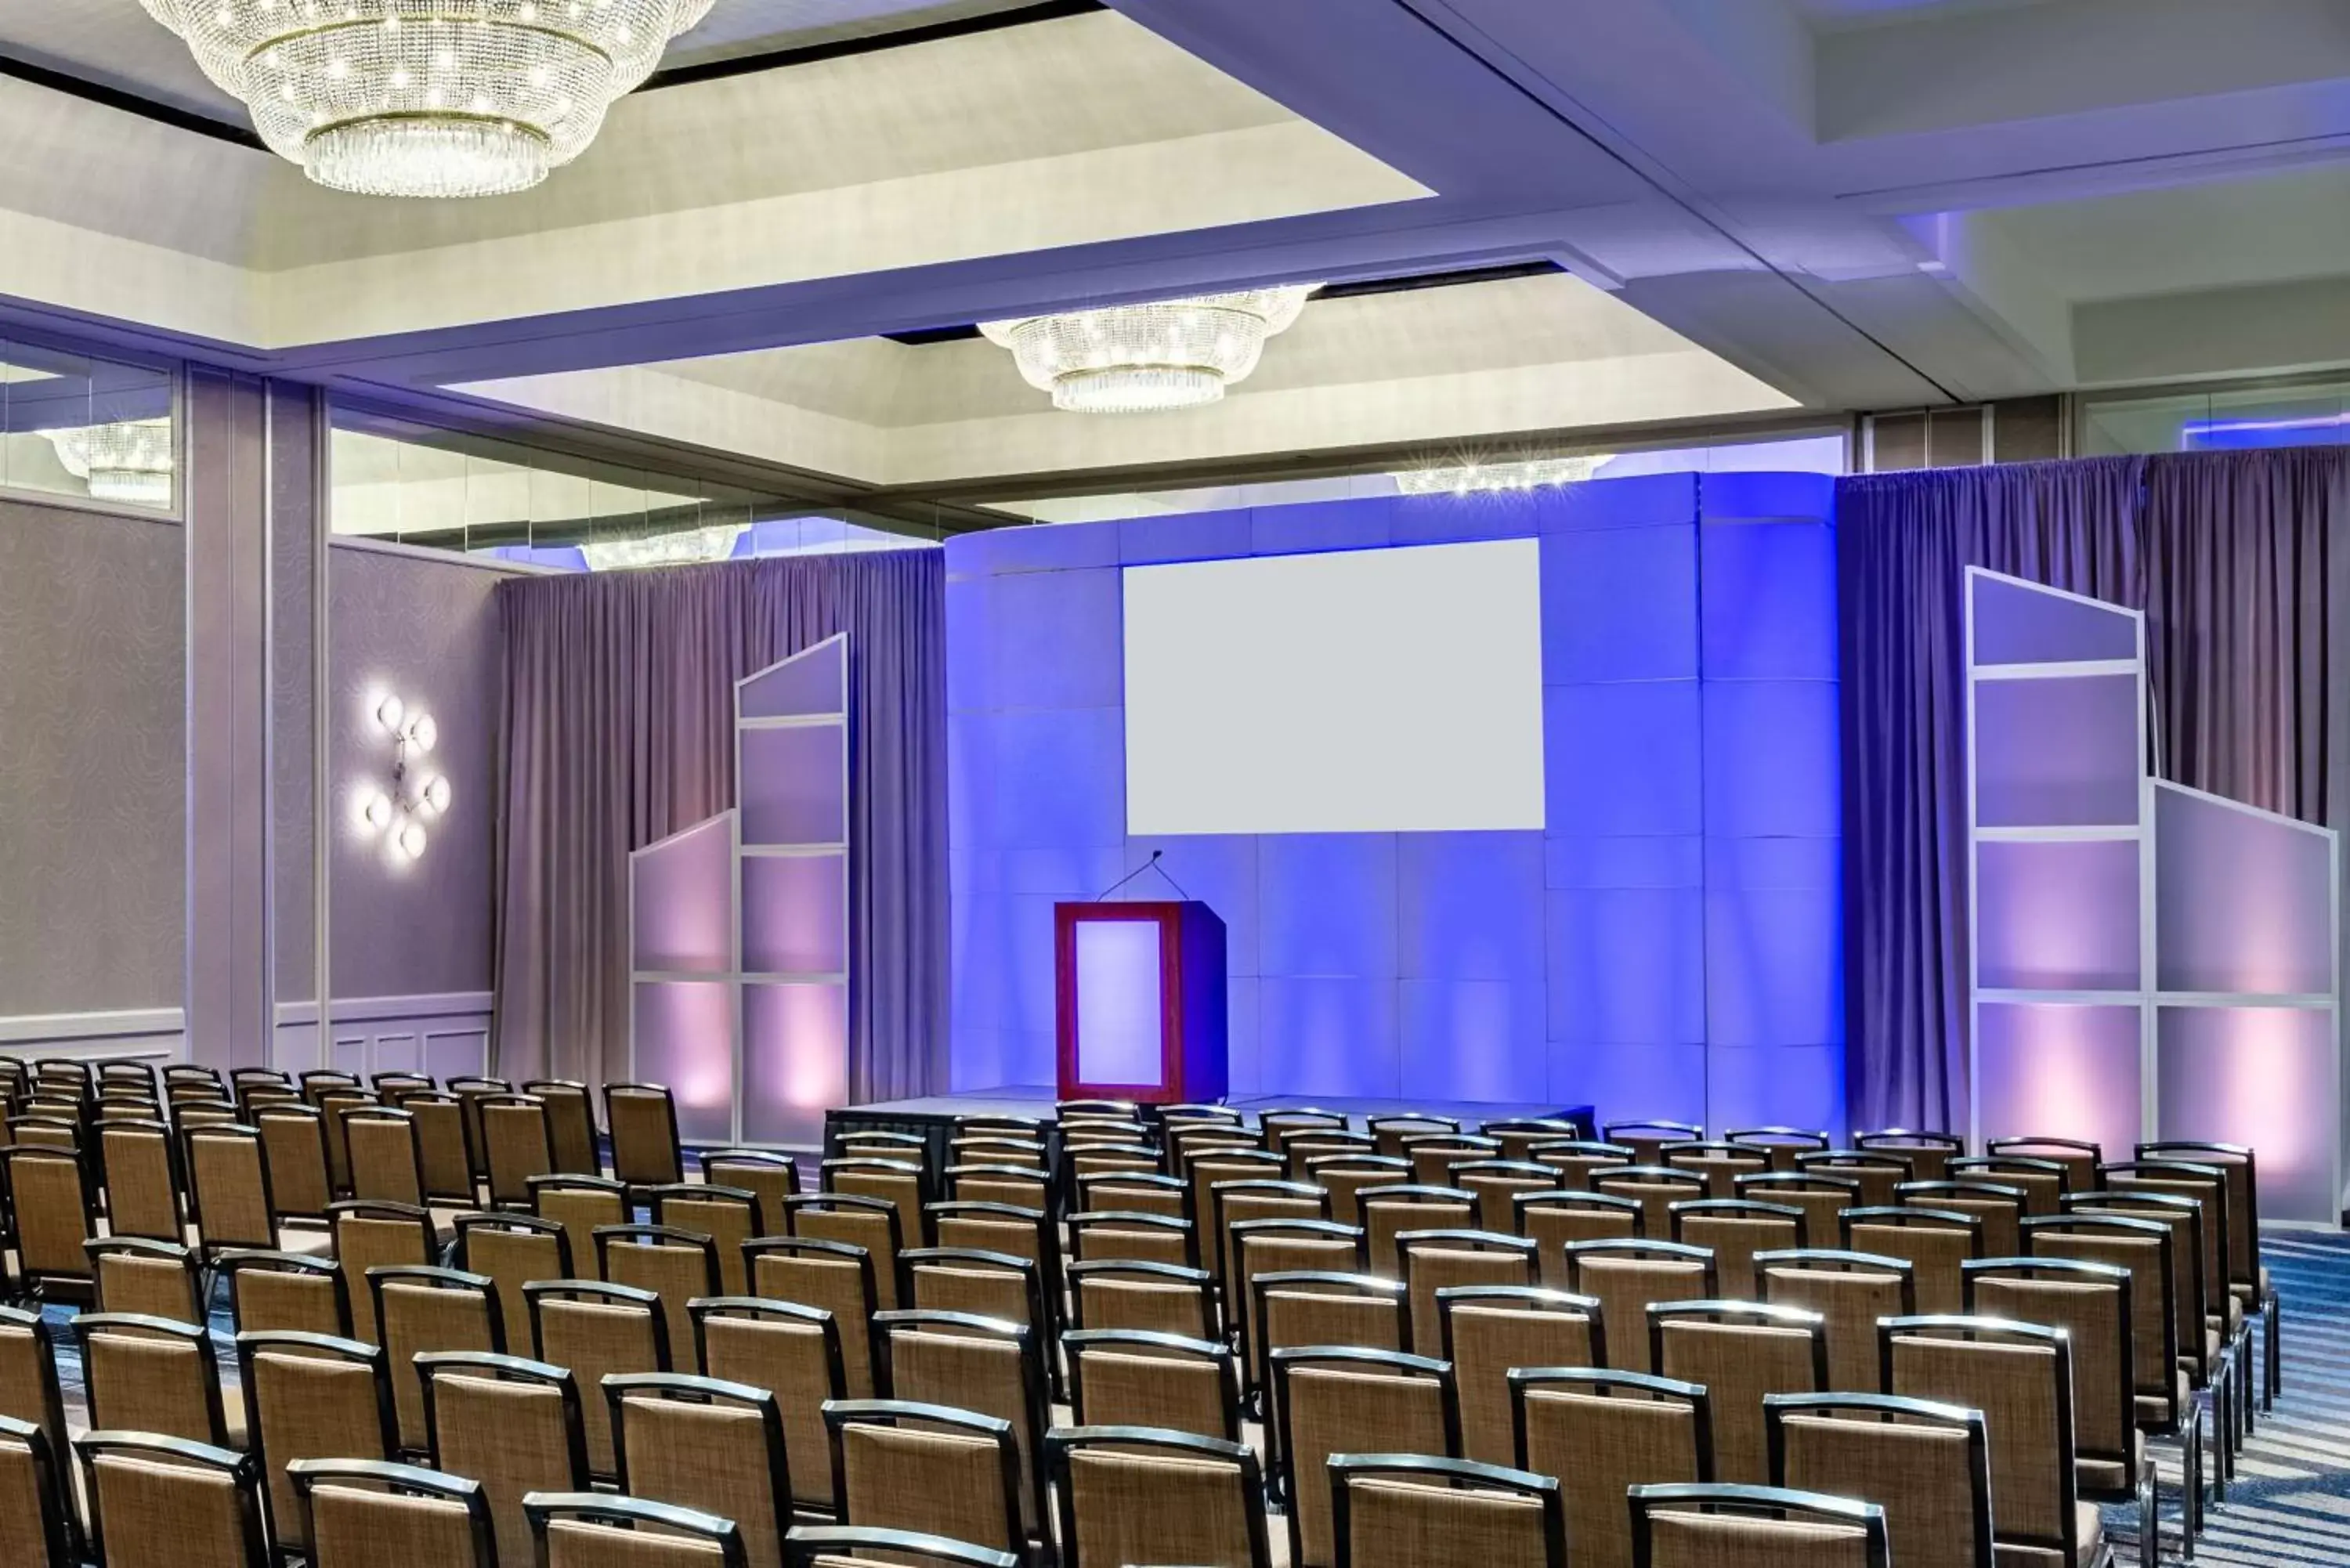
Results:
x,y
2229,553
618,730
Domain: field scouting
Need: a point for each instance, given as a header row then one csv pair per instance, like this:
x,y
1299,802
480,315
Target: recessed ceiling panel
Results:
x,y
740,27
115,44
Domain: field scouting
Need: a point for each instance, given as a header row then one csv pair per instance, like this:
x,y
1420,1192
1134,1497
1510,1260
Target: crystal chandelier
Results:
x,y
682,547
129,460
428,97
1477,478
1145,359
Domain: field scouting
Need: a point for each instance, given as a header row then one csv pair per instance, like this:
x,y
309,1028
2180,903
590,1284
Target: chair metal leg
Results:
x,y
2149,1519
2273,1348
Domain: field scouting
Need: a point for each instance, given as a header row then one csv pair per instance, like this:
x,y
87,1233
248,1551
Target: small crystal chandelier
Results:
x,y
1479,478
1146,359
131,460
680,547
428,97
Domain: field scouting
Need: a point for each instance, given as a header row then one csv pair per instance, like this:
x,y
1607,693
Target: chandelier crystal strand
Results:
x,y
129,460
1150,357
428,97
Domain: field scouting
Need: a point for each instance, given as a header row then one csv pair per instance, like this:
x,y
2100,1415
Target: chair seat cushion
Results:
x,y
2089,1528
2151,1410
2113,1478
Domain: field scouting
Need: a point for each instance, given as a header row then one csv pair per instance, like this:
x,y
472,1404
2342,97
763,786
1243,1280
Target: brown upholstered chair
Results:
x,y
387,1165
514,1425
1602,1432
1576,1160
793,1351
2206,1353
1720,1163
2079,1158
310,1397
1415,1510
1387,1212
1499,1184
401,1081
1134,1494
765,1174
1938,1242
1876,1171
1433,1159
2021,1375
1235,1203
1647,1139
1850,1290
157,1499
470,1091
1003,1123
1656,1187
582,1205
294,1148
729,1216
1435,1261
361,1513
151,1375
1928,1153
699,1443
320,1082
879,1143
967,1363
334,1103
1279,1124
995,1150
1822,1197
2248,1281
1489,1331
590,1530
1779,1145
1753,1527
32,1520
1123,1378
899,1464
29,1394
829,1276
1555,1221
871,1223
1202,1171
1028,1233
140,1167
596,1329
150,1279
439,1121
1132,1236
2001,1208
1329,1400
428,1311
571,1136
1269,1246
2042,1182
54,1204
1302,1148
516,1145
980,1284
1520,1136
1344,1176
369,1235
1928,1466
1735,1229
1741,1351
512,1250
2138,1184
643,1120
1132,1192
1298,1309
1626,1278
906,1188
270,1293
1155,1298
1387,1132
676,1265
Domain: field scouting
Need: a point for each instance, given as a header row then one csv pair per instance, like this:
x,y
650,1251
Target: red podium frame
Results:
x,y
1192,1002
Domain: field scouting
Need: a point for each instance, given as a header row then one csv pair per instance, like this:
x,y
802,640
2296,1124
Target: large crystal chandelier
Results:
x,y
129,460
428,97
1144,359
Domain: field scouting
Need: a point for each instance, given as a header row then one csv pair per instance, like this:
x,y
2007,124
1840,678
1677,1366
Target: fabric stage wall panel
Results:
x,y
1668,944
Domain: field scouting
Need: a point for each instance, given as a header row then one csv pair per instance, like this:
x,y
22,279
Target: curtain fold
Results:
x,y
2233,558
617,729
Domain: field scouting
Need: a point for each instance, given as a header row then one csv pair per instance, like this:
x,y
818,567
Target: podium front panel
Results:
x,y
1121,1015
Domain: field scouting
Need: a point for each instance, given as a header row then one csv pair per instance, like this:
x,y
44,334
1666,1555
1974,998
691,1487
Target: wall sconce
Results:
x,y
400,813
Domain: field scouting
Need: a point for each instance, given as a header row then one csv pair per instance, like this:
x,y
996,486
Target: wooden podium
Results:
x,y
1140,1002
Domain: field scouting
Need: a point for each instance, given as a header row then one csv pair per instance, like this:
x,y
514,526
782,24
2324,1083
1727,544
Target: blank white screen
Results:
x,y
1359,691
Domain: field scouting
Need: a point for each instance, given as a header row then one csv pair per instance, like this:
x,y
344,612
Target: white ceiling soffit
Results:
x,y
1439,365
1061,132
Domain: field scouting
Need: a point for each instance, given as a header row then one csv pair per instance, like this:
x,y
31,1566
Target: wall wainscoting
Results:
x,y
445,1034
157,1034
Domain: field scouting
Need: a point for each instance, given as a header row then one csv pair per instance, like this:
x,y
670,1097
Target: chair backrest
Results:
x,y
1130,1235
386,1162
1135,1494
1387,1212
1127,1377
32,1521
2208,1186
1626,1277
1720,1162
362,1512
2021,1375
795,1352
1279,1124
879,1143
426,1311
581,1205
320,1082
643,1120
2148,1252
900,1465
1927,1465
1656,1187
1741,1351
1876,1171
311,1397
1000,1148
470,1092
1927,1153
596,1329
439,1121
593,1530
1155,1298
2093,1304
704,1444
513,1425
157,1499
676,1265
1647,1139
1555,1221
1344,1176
1435,1157
766,1175
1850,1290
1235,1203
151,1279
729,1216
150,1374
2240,1170
570,1124
1735,1229
2043,1183
1519,1136
1351,1401
516,1144
1027,1233
969,1363
1938,1242
294,1145
1256,1247
1578,1159
1489,1331
1753,1527
369,1236
979,1283
905,1187
286,1292
1302,1148
1499,1184
512,1250
1416,1510
1387,1132
833,1277
140,1167
335,1102
2190,1304
1822,1199
1202,1171
54,1204
1779,1145
29,1394
1601,1432
228,1187
2079,1158
1132,1192
2001,1208
872,1223
1438,1261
